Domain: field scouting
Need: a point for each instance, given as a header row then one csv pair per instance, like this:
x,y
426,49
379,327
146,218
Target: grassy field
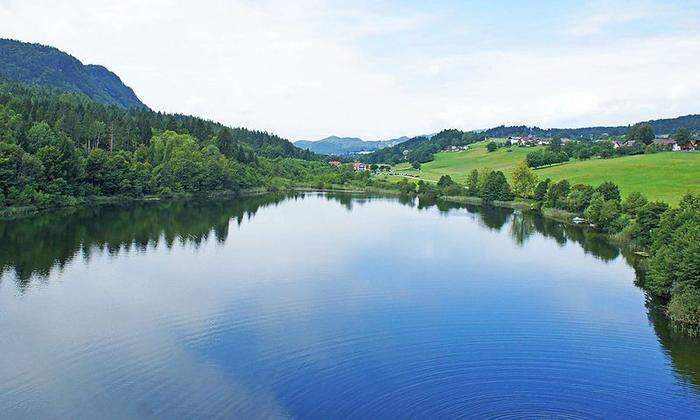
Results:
x,y
459,164
662,176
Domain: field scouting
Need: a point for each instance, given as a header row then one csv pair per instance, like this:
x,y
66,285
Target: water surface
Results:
x,y
328,306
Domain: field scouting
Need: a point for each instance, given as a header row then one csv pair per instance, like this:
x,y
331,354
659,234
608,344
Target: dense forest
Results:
x,y
93,125
57,148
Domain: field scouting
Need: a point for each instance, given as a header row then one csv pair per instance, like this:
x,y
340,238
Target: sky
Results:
x,y
307,69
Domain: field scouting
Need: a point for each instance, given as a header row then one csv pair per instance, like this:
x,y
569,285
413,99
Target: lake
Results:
x,y
328,306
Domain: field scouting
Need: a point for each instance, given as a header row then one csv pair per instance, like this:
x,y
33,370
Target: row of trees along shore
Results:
x,y
670,236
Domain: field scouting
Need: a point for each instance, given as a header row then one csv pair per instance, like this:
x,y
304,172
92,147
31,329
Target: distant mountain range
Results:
x,y
47,66
339,146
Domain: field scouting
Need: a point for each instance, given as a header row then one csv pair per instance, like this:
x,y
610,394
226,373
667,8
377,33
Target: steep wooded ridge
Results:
x,y
47,66
127,119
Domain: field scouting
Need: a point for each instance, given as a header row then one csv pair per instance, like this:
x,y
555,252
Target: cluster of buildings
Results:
x,y
531,140
359,166
455,148
631,143
665,141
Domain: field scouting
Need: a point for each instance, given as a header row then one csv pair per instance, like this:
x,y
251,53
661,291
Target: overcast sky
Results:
x,y
306,69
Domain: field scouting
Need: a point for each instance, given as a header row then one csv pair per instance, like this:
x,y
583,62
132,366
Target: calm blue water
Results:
x,y
322,306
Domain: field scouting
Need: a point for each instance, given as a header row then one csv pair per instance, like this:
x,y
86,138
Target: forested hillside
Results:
x,y
661,126
396,153
57,147
48,66
93,125
421,149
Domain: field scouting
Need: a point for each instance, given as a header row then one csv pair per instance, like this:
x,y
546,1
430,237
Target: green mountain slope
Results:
x,y
48,66
49,69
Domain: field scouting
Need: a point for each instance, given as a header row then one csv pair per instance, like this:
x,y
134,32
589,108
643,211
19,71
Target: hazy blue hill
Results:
x,y
335,145
48,66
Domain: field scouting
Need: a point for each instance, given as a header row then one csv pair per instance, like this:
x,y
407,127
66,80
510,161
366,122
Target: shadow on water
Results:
x,y
681,348
32,248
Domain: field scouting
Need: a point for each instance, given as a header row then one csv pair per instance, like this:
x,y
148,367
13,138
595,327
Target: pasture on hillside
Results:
x,y
663,176
459,164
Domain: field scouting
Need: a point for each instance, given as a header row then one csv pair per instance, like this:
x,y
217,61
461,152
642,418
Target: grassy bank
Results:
x,y
16,212
523,205
558,214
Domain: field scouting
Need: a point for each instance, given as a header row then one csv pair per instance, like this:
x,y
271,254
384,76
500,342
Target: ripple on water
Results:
x,y
432,367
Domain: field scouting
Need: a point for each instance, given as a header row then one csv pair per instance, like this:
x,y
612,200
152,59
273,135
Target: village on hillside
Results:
x,y
664,141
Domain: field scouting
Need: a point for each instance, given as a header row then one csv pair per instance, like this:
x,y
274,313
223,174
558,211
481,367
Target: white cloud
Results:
x,y
604,15
624,81
312,68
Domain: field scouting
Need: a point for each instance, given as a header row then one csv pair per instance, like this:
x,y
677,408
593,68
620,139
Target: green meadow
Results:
x,y
459,164
662,176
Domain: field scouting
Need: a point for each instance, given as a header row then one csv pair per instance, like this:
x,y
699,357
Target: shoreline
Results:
x,y
21,212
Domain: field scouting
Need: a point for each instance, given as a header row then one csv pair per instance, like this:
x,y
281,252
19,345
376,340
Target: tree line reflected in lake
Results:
x,y
33,248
